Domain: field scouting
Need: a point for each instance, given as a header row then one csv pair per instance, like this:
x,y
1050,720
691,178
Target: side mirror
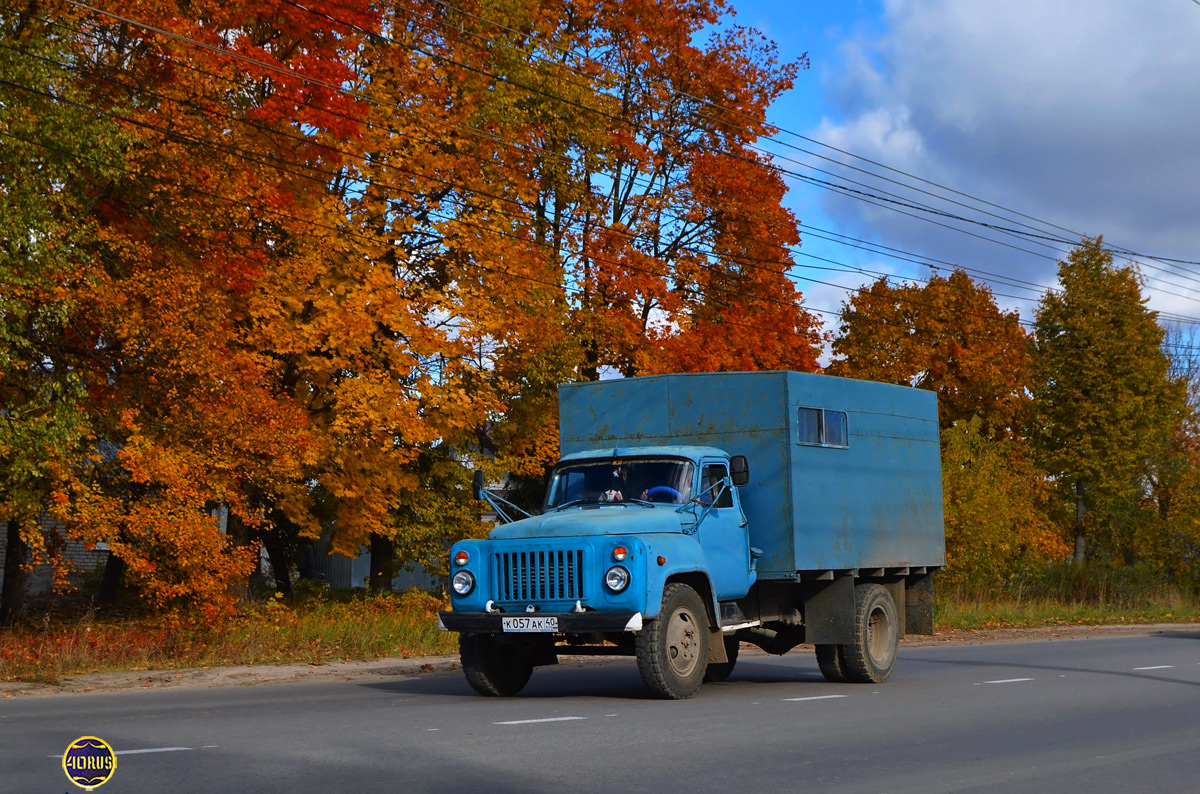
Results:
x,y
739,470
477,484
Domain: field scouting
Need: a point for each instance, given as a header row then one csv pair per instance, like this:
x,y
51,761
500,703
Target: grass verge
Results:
x,y
1064,594
331,628
972,614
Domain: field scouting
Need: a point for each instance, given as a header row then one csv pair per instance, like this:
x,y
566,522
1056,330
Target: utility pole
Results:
x,y
1080,509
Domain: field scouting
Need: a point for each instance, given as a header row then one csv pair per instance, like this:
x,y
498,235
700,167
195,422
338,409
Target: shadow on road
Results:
x,y
616,679
751,672
994,663
610,680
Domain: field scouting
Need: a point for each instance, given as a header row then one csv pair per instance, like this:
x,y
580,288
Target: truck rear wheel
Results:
x,y
719,671
872,657
830,660
672,649
494,668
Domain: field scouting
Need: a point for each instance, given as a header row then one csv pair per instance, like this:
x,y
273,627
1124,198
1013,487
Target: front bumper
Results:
x,y
568,622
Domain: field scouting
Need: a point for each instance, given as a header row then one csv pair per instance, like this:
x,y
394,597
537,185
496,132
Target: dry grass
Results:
x,y
1067,594
973,614
322,626
316,630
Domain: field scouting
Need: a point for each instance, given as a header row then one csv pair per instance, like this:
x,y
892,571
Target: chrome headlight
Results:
x,y
616,579
463,583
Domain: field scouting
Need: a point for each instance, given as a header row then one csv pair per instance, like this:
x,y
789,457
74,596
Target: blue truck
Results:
x,y
691,513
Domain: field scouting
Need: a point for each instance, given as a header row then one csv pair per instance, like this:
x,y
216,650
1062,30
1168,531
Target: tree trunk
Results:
x,y
239,534
277,554
307,564
1080,510
114,569
237,530
12,595
383,556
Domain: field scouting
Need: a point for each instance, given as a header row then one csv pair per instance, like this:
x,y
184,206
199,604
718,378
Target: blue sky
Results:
x,y
1068,117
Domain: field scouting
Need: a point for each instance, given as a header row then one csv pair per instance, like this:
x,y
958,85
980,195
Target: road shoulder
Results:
x,y
390,668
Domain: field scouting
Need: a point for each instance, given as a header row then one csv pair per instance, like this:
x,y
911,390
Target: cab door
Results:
x,y
723,534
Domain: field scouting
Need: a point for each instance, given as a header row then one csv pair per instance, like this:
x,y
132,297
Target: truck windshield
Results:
x,y
663,480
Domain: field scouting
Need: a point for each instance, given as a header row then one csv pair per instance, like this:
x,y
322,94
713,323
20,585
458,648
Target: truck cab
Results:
x,y
617,526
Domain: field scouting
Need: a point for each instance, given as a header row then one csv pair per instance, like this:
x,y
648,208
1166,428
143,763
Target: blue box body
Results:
x,y
875,503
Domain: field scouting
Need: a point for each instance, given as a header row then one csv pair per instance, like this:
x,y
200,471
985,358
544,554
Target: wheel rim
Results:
x,y
683,643
879,636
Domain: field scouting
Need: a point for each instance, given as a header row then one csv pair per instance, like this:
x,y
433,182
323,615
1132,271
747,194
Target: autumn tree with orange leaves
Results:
x,y
321,255
185,401
645,233
947,336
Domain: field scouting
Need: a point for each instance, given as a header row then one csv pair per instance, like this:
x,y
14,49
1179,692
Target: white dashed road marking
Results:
x,y
140,752
815,697
544,719
152,750
1008,681
1156,667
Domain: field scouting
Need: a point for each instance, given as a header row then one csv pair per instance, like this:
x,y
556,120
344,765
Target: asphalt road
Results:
x,y
1097,715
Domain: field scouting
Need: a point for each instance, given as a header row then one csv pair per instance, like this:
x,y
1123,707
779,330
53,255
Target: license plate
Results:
x,y
530,624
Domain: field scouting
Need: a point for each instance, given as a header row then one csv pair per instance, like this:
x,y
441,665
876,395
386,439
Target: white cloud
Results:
x,y
1084,113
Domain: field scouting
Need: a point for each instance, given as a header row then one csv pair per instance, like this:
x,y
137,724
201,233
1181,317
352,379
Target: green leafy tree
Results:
x,y
1104,401
995,501
1168,534
444,510
55,158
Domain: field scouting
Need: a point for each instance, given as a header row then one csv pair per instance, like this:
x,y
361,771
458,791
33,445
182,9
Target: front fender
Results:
x,y
680,554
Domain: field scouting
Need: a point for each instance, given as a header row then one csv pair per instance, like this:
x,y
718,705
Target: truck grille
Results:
x,y
539,575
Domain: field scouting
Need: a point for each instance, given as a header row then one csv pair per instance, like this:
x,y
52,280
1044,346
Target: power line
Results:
x,y
278,164
821,183
885,198
522,276
185,40
735,111
723,320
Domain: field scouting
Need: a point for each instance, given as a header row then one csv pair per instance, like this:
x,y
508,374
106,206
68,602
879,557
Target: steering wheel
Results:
x,y
663,490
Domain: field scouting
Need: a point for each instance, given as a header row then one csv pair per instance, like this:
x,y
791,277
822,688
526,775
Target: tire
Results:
x,y
830,658
872,657
672,649
494,668
719,671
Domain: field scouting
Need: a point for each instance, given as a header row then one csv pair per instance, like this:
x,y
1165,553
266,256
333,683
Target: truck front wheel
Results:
x,y
672,649
494,668
872,657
